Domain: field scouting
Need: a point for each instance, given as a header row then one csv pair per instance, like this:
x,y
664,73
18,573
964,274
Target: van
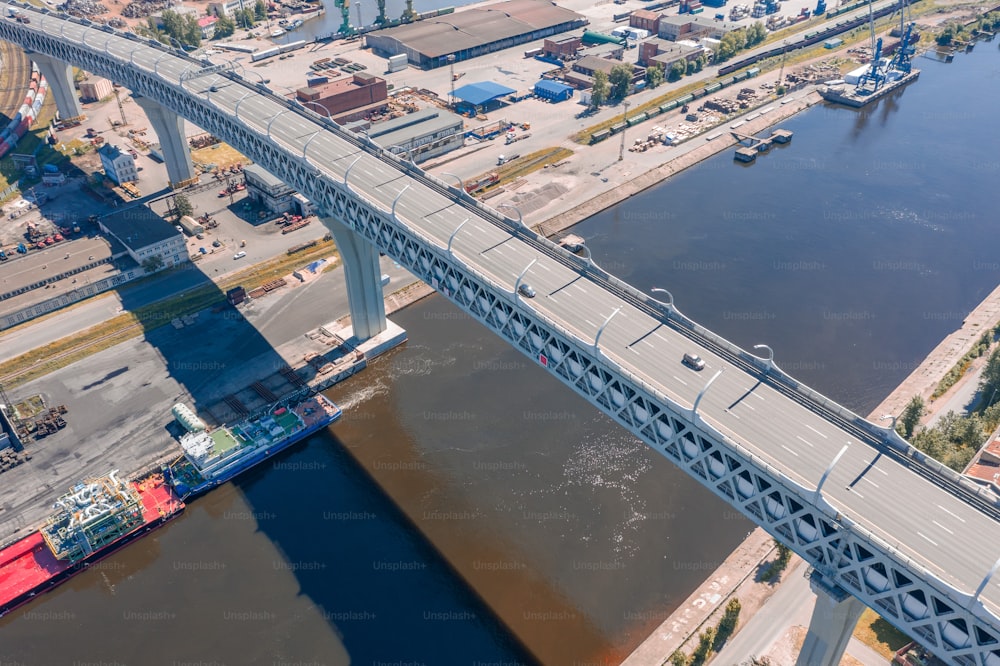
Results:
x,y
693,361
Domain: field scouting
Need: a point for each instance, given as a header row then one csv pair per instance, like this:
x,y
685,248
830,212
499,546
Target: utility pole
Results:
x,y
451,67
121,109
621,149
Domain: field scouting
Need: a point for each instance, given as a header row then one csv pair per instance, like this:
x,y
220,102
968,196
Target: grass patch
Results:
x,y
530,163
221,156
66,351
879,635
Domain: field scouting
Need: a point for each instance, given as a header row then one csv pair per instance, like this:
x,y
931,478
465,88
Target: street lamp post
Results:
x,y
621,149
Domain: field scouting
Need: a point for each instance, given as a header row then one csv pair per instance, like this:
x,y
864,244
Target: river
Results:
x,y
852,252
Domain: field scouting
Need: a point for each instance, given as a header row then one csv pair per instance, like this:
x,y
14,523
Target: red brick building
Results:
x,y
564,48
645,19
348,99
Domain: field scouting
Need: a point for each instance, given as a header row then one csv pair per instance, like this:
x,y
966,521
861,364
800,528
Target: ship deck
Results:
x,y
28,563
316,409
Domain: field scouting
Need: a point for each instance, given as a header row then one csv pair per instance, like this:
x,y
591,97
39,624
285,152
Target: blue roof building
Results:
x,y
476,96
553,90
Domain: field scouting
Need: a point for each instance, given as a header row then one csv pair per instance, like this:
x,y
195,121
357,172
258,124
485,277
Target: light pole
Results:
x,y
451,69
621,149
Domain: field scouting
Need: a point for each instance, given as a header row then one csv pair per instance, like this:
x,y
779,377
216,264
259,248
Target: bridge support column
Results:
x,y
833,620
59,75
364,279
169,128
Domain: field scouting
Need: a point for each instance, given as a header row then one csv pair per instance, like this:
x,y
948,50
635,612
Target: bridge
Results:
x,y
880,524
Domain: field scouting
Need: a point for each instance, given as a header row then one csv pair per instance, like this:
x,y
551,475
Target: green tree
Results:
x,y
153,264
600,90
780,90
654,76
989,379
727,625
677,70
244,18
224,27
757,661
704,649
182,206
678,659
756,34
191,33
933,442
910,417
260,10
620,80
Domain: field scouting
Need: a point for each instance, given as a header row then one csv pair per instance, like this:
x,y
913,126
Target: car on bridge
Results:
x,y
526,290
693,361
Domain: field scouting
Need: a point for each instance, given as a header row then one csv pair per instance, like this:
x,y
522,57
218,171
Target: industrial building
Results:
x,y
348,99
273,193
474,32
662,52
686,26
474,98
564,48
553,91
421,135
118,166
229,7
95,89
645,19
147,238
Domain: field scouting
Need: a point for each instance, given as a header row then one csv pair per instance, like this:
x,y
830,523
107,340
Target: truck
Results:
x,y
503,159
511,137
191,226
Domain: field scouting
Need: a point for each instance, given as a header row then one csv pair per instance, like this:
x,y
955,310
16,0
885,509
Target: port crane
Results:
x,y
345,29
409,16
381,18
875,74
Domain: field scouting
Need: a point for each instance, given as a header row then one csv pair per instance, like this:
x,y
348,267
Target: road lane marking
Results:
x,y
750,407
544,267
871,463
871,482
733,415
956,517
854,490
942,527
757,395
587,321
680,380
928,538
790,451
803,439
817,431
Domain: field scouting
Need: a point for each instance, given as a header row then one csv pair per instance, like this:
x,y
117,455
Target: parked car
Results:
x,y
239,255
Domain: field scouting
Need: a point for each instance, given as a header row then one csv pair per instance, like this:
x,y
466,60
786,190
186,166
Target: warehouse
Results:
x,y
480,97
553,91
474,32
421,135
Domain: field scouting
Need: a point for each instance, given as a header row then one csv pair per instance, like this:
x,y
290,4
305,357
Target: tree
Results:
x,y
654,76
757,661
780,90
620,80
153,264
677,70
244,18
756,34
727,625
260,10
182,206
678,659
989,380
191,32
224,27
599,91
910,417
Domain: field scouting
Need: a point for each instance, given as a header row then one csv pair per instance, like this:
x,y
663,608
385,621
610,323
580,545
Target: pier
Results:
x,y
750,145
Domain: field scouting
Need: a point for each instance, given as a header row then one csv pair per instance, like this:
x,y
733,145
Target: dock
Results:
x,y
857,98
750,145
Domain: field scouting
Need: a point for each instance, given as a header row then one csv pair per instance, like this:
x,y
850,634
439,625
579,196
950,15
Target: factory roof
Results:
x,y
258,173
468,29
138,227
480,93
413,126
553,86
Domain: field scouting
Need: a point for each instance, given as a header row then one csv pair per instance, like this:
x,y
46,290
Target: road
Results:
x,y
789,607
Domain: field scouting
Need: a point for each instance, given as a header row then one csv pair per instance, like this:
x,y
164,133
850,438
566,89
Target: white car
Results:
x,y
239,255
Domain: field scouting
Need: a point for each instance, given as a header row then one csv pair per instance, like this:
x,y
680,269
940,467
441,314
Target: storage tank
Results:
x,y
188,418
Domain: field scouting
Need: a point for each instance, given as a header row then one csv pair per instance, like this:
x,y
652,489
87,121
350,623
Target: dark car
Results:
x,y
526,290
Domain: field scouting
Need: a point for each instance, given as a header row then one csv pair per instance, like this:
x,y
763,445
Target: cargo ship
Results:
x,y
214,456
94,519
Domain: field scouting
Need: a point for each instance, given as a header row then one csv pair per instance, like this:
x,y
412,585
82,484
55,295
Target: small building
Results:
x,y
564,48
207,26
480,97
157,17
149,240
267,190
662,52
645,19
347,99
229,7
609,51
118,166
553,91
95,89
589,64
686,26
420,135
832,43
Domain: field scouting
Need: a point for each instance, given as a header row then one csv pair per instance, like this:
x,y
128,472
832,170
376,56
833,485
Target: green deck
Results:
x,y
223,441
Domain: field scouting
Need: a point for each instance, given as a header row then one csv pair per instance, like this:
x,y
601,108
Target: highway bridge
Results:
x,y
880,524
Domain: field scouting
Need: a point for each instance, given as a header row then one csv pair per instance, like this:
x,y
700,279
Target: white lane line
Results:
x,y
871,482
544,267
757,395
942,527
817,431
733,415
587,321
750,407
803,439
855,492
956,517
790,451
928,538
679,379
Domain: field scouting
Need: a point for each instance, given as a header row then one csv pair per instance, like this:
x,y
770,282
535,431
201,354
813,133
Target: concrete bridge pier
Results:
x,y
59,75
364,280
169,128
833,620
